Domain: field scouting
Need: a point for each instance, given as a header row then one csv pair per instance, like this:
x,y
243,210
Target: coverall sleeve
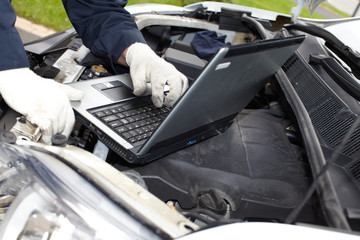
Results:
x,y
12,54
105,27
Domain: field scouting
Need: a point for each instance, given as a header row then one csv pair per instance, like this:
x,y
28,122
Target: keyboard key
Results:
x,y
148,121
120,115
157,119
139,138
121,129
127,114
149,114
157,112
132,112
165,110
136,118
142,116
129,126
107,112
100,114
115,124
129,119
153,119
145,129
133,133
139,131
140,110
120,109
114,111
126,135
142,123
136,124
154,125
151,127
110,118
124,121
147,135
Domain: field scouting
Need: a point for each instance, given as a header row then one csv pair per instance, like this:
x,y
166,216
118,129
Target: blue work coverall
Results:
x,y
105,27
12,53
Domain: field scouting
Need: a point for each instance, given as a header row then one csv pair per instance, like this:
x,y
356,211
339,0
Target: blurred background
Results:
x,y
37,18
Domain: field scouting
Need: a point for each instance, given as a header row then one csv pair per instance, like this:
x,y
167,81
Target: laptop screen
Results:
x,y
227,84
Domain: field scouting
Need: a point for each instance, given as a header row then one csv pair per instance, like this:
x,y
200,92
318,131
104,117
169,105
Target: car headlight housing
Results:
x,y
43,198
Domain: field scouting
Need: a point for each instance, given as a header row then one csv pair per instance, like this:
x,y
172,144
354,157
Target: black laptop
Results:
x,y
139,132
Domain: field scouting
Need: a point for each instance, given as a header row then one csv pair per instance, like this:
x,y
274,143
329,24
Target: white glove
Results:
x,y
43,102
146,66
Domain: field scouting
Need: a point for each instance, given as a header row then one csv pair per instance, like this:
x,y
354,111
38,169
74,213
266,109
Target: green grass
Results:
x,y
51,13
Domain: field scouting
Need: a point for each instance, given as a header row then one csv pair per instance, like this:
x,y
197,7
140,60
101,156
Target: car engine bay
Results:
x,y
260,169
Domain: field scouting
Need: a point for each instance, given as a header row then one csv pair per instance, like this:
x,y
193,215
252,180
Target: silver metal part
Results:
x,y
123,189
70,70
146,20
23,129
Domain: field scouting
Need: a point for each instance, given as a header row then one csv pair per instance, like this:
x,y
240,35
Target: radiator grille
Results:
x,y
354,169
329,127
309,91
322,108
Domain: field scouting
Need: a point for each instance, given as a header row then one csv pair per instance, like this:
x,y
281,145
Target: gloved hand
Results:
x,y
43,102
146,66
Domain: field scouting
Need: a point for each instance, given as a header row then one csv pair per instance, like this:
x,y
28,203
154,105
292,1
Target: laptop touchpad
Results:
x,y
115,90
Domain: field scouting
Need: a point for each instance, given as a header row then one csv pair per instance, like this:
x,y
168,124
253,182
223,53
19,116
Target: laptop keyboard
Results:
x,y
134,121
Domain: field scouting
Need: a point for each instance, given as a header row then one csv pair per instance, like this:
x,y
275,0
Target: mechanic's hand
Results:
x,y
146,66
43,102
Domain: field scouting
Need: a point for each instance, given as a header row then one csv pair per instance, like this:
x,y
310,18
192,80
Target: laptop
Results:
x,y
226,85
